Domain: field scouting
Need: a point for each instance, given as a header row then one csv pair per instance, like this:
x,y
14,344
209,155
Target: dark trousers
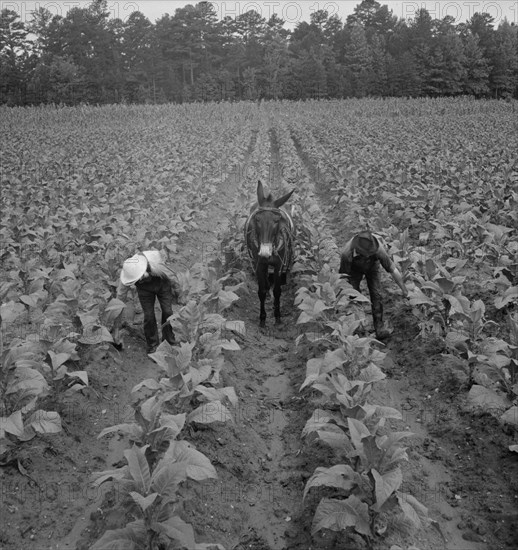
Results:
x,y
372,274
148,290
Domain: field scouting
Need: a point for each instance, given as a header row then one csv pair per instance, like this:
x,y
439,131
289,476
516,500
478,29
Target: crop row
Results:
x,y
188,392
442,191
366,476
82,190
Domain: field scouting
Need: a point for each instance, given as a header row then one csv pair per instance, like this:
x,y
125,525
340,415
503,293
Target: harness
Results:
x,y
282,243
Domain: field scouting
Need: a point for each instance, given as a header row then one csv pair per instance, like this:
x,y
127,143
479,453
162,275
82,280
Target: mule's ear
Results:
x,y
260,193
282,200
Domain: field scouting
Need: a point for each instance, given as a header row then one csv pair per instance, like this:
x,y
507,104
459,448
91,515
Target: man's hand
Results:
x,y
115,333
176,295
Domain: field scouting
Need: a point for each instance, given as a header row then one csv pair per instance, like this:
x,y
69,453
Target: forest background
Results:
x,y
86,56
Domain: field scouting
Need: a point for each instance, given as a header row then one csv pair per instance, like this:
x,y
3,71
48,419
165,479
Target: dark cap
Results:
x,y
365,243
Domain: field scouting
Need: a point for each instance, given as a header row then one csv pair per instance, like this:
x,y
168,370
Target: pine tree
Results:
x,y
503,78
139,57
55,80
448,60
404,76
358,62
313,76
14,58
379,76
476,76
275,63
374,18
420,42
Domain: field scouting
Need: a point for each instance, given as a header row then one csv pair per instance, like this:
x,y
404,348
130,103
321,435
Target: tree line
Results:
x,y
88,57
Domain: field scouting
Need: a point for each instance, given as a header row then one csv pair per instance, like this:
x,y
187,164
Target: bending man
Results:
x,y
153,280
361,257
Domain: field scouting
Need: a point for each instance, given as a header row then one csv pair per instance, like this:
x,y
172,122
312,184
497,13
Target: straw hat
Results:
x,y
133,269
366,244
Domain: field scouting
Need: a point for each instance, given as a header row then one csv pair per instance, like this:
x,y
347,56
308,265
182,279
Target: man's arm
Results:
x,y
120,321
175,287
396,275
346,259
122,291
391,268
345,265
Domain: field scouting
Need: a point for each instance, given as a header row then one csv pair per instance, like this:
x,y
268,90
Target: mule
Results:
x,y
269,233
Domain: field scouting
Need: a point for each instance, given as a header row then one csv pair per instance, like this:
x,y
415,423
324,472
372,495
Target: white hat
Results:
x,y
133,269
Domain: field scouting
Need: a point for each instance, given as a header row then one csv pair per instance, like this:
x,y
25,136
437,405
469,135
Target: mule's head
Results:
x,y
268,221
267,226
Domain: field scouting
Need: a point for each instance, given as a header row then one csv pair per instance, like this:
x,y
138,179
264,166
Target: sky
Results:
x,y
292,11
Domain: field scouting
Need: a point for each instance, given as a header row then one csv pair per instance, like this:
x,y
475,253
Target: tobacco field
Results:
x,y
304,436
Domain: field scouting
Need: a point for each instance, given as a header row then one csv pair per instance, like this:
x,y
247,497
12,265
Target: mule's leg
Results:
x,y
277,296
262,280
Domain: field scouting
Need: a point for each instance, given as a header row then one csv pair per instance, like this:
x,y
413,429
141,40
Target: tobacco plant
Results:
x,y
151,496
22,386
371,476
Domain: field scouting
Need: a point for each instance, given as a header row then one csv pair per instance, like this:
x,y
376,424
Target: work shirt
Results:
x,y
351,260
122,289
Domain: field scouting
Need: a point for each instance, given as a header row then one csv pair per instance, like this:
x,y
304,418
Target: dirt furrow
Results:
x,y
252,503
102,510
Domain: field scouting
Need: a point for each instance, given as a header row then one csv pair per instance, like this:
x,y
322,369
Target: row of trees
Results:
x,y
191,56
